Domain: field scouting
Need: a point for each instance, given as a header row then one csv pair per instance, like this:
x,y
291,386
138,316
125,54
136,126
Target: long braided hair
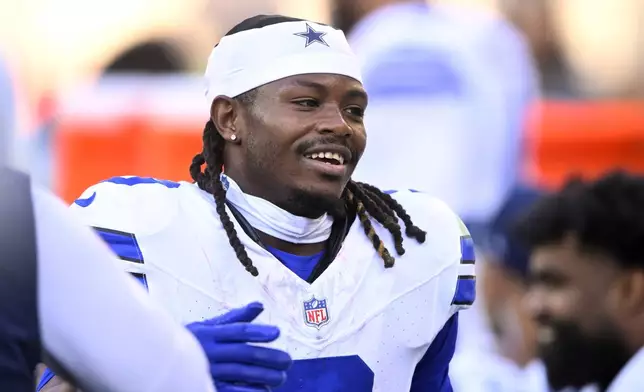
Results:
x,y
364,199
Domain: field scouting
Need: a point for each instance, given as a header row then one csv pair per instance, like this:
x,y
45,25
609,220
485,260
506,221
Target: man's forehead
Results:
x,y
322,82
568,258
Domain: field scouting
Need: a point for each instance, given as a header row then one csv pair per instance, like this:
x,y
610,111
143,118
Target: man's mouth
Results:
x,y
331,158
332,154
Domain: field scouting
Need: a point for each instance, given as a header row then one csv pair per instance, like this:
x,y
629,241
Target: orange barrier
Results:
x,y
585,138
91,150
563,138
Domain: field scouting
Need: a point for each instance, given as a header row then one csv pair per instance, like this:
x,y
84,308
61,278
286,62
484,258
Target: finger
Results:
x,y
245,332
251,355
247,374
228,387
245,314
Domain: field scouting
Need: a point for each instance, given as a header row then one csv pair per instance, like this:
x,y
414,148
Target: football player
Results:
x,y
364,285
61,292
587,274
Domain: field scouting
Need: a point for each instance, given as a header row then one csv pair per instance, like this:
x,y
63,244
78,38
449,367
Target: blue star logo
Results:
x,y
312,36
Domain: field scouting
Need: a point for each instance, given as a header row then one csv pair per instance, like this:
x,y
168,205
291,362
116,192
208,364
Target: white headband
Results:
x,y
252,58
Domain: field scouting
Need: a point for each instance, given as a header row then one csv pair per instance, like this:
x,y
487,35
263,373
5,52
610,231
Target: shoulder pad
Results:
x,y
129,204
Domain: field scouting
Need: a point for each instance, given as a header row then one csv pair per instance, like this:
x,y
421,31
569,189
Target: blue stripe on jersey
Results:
x,y
141,278
123,244
392,191
465,291
467,250
131,181
301,266
85,202
432,372
46,377
413,71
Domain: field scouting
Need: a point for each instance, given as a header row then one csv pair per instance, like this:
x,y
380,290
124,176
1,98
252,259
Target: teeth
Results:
x,y
327,155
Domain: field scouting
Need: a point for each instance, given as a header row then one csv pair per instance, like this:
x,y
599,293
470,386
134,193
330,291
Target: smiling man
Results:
x,y
359,309
587,292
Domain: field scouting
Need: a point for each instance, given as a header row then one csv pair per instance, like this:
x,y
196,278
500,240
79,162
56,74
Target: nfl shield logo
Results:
x,y
315,313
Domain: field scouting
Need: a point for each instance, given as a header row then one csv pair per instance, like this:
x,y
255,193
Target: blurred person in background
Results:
x,y
587,282
44,258
535,20
504,280
7,115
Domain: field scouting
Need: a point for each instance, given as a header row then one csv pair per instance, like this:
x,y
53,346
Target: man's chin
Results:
x,y
312,203
574,360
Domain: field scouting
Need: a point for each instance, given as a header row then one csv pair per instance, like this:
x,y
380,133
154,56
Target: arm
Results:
x,y
100,324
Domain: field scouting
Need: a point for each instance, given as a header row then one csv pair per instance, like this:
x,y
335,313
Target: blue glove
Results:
x,y
235,365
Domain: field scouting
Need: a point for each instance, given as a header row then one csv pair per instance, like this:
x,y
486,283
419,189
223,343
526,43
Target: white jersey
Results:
x,y
484,371
630,377
455,81
372,323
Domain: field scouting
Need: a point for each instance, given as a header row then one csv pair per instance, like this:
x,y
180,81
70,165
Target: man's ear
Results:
x,y
630,290
224,113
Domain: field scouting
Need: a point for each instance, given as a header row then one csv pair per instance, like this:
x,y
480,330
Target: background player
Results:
x,y
51,261
587,273
286,108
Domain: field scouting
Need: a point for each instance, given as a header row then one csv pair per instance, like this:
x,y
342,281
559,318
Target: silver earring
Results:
x,y
233,137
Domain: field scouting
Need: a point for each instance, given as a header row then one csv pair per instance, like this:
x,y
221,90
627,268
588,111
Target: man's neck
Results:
x,y
288,247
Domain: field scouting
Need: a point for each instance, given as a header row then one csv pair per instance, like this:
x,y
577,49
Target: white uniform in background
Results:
x,y
448,92
631,377
94,320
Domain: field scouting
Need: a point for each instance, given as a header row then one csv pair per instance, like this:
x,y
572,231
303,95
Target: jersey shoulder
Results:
x,y
448,246
129,204
434,217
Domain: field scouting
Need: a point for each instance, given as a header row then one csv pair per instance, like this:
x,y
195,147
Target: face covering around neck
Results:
x,y
274,221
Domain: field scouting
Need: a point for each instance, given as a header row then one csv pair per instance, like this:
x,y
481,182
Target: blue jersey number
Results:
x,y
333,374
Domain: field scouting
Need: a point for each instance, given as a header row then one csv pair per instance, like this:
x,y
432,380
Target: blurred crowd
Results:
x,y
453,123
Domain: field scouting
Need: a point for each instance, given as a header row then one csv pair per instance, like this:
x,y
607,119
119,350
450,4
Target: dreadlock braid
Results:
x,y
380,212
411,230
378,245
210,181
366,200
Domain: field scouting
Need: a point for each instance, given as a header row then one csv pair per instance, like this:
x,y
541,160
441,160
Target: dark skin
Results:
x,y
589,312
288,118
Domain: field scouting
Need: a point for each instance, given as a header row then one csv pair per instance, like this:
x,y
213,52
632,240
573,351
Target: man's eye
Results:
x,y
308,103
356,111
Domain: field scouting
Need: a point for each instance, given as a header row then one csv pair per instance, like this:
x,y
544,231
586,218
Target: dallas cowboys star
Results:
x,y
312,36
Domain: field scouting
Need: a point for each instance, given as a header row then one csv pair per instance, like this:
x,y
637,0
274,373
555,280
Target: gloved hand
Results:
x,y
235,365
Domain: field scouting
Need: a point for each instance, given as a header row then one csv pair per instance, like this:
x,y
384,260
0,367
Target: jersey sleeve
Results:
x,y
91,313
123,211
448,248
